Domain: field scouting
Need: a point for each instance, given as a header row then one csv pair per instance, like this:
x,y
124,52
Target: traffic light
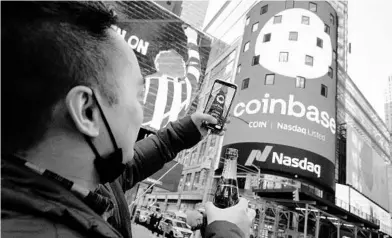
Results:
x,y
296,195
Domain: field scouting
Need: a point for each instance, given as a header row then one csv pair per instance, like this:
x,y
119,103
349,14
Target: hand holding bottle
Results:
x,y
239,214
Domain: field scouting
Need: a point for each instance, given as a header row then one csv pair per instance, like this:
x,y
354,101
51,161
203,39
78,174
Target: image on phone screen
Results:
x,y
219,102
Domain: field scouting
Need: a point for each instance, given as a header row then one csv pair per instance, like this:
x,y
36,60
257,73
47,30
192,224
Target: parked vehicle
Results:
x,y
178,215
174,228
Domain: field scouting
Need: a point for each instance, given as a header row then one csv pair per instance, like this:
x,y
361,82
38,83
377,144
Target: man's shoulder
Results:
x,y
26,225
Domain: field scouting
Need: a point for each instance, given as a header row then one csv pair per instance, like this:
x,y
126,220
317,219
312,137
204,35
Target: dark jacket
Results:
x,y
223,229
35,206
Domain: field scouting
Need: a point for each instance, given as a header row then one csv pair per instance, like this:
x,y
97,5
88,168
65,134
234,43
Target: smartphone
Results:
x,y
219,102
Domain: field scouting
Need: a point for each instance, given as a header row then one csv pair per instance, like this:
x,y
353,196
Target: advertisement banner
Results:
x,y
284,115
172,57
366,170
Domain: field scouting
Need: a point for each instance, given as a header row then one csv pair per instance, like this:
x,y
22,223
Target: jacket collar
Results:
x,y
27,191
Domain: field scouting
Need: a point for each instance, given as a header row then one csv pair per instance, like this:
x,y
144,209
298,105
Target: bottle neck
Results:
x,y
230,168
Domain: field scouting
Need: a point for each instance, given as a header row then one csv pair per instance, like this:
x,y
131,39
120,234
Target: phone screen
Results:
x,y
219,103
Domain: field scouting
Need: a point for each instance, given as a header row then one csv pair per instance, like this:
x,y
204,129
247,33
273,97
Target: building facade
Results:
x,y
388,104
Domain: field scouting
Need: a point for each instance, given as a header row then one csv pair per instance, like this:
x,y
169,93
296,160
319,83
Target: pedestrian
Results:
x,y
159,219
72,110
153,219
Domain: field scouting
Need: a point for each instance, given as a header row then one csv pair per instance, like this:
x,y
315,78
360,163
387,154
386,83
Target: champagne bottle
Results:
x,y
226,194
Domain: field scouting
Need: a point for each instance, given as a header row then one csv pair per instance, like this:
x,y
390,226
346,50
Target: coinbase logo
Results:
x,y
290,38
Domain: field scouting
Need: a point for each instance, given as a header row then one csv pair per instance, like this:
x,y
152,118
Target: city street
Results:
x,y
142,232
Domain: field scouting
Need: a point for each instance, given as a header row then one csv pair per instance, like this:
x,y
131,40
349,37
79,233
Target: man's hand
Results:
x,y
194,218
239,214
198,118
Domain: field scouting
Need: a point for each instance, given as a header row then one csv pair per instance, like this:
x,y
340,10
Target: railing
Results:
x,y
356,211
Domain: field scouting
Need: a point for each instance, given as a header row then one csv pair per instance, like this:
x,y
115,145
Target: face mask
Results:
x,y
110,167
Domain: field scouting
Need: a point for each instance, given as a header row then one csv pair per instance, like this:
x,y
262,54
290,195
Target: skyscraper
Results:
x,y
192,12
388,104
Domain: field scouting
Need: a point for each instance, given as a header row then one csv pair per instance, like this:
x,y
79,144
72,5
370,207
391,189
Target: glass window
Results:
x,y
277,19
187,182
247,21
309,60
305,20
264,9
331,19
289,4
319,42
255,59
326,28
181,183
267,37
246,46
204,180
300,82
196,181
283,56
293,35
187,158
330,72
193,156
255,27
239,69
312,6
245,84
203,148
213,140
269,79
324,90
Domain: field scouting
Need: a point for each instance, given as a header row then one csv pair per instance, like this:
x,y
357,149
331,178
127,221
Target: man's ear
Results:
x,y
83,110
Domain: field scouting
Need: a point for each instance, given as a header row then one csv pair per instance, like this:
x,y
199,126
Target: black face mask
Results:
x,y
110,167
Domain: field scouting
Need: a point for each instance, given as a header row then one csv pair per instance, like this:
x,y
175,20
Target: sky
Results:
x,y
370,34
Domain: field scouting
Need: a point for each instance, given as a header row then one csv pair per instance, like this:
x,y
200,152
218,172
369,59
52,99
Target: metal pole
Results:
x,y
306,221
355,232
317,224
262,218
276,223
338,230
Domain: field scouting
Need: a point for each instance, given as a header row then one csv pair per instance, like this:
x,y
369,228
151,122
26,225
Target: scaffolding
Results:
x,y
278,221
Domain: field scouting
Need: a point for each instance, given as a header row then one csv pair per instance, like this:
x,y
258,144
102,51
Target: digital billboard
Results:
x,y
172,57
362,207
284,115
366,169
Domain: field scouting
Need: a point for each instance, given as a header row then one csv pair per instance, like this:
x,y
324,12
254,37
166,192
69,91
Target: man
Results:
x,y
71,116
153,220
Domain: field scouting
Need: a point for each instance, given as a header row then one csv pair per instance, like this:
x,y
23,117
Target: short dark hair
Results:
x,y
47,49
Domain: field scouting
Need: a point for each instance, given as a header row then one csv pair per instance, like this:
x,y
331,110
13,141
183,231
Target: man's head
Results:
x,y
55,55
